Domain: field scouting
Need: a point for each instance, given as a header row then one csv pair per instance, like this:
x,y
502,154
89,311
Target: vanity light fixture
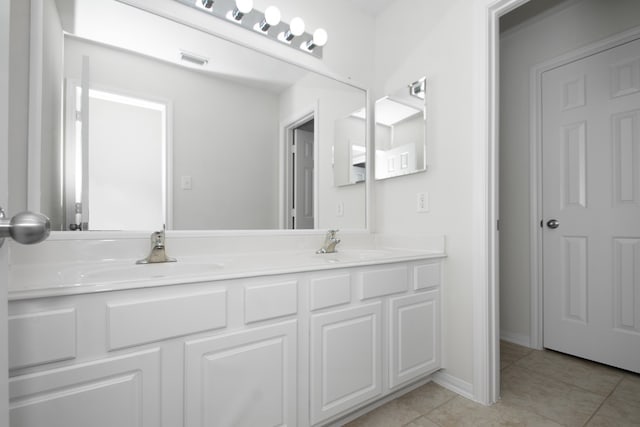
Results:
x,y
268,23
242,7
418,88
296,28
271,19
207,4
319,39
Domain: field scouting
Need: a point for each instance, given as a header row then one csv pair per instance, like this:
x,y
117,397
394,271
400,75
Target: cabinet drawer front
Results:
x,y
269,301
385,281
427,276
43,337
119,391
330,291
140,322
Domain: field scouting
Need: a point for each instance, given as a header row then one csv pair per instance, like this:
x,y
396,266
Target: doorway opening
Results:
x,y
115,176
521,172
300,172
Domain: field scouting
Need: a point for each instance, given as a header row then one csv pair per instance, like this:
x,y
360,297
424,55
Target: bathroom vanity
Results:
x,y
284,337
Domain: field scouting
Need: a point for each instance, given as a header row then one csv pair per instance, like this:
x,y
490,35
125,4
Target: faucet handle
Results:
x,y
332,233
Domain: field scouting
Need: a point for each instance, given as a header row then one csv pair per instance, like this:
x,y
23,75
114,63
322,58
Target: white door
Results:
x,y
303,179
4,196
591,187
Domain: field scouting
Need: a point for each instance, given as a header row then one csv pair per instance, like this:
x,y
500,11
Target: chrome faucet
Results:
x,y
330,242
158,252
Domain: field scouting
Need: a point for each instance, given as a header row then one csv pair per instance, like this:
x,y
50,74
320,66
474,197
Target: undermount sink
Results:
x,y
122,273
354,255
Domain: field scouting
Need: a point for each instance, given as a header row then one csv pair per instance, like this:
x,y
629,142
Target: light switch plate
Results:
x,y
422,202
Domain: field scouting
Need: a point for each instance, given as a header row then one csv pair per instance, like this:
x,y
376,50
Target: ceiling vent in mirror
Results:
x,y
192,58
267,23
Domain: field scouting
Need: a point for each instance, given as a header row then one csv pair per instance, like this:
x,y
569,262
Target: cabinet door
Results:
x,y
119,391
345,359
247,378
414,337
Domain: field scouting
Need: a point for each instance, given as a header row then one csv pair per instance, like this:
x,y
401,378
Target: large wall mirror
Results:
x,y
400,131
146,121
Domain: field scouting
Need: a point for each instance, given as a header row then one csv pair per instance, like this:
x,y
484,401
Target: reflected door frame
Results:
x,y
287,178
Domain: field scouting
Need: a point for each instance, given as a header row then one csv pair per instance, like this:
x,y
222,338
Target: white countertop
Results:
x,y
66,266
47,280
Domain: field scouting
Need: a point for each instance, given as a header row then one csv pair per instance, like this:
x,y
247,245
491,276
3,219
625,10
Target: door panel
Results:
x,y
304,179
591,185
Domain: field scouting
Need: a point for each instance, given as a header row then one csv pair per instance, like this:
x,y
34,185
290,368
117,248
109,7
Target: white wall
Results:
x,y
572,25
435,38
225,136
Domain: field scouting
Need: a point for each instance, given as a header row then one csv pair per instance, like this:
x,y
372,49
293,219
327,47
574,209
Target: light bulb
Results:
x,y
244,6
272,15
320,37
297,26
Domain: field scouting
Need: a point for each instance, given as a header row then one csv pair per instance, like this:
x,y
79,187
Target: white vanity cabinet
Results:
x,y
381,334
296,349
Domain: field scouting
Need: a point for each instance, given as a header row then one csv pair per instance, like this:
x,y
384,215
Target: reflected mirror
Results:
x,y
151,122
400,131
349,149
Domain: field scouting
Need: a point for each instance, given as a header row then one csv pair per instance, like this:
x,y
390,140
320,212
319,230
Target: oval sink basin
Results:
x,y
354,255
147,271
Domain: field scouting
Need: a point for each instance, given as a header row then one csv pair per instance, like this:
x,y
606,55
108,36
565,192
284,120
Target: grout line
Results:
x,y
603,401
575,385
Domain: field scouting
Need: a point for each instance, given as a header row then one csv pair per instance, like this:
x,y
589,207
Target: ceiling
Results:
x,y
129,28
372,7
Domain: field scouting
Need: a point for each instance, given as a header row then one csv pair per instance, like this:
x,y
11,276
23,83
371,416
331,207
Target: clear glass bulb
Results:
x,y
244,6
320,37
297,26
272,15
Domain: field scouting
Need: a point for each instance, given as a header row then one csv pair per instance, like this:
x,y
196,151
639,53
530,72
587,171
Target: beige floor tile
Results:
x,y
550,398
425,398
511,353
392,414
622,408
422,422
461,412
590,376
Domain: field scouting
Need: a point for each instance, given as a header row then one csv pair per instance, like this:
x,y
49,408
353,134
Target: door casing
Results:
x,y
286,176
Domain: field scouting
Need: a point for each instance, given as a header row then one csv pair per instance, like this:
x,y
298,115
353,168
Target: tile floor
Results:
x,y
539,388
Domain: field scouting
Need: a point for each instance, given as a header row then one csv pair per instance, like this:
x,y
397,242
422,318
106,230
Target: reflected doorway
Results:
x,y
116,161
300,159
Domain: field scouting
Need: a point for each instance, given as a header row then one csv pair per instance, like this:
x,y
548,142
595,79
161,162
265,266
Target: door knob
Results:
x,y
26,227
553,223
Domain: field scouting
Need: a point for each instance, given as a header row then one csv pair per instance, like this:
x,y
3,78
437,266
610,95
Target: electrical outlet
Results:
x,y
422,202
340,209
185,182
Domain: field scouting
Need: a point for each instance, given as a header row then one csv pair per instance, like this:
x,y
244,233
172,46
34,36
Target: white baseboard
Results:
x,y
455,384
516,338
